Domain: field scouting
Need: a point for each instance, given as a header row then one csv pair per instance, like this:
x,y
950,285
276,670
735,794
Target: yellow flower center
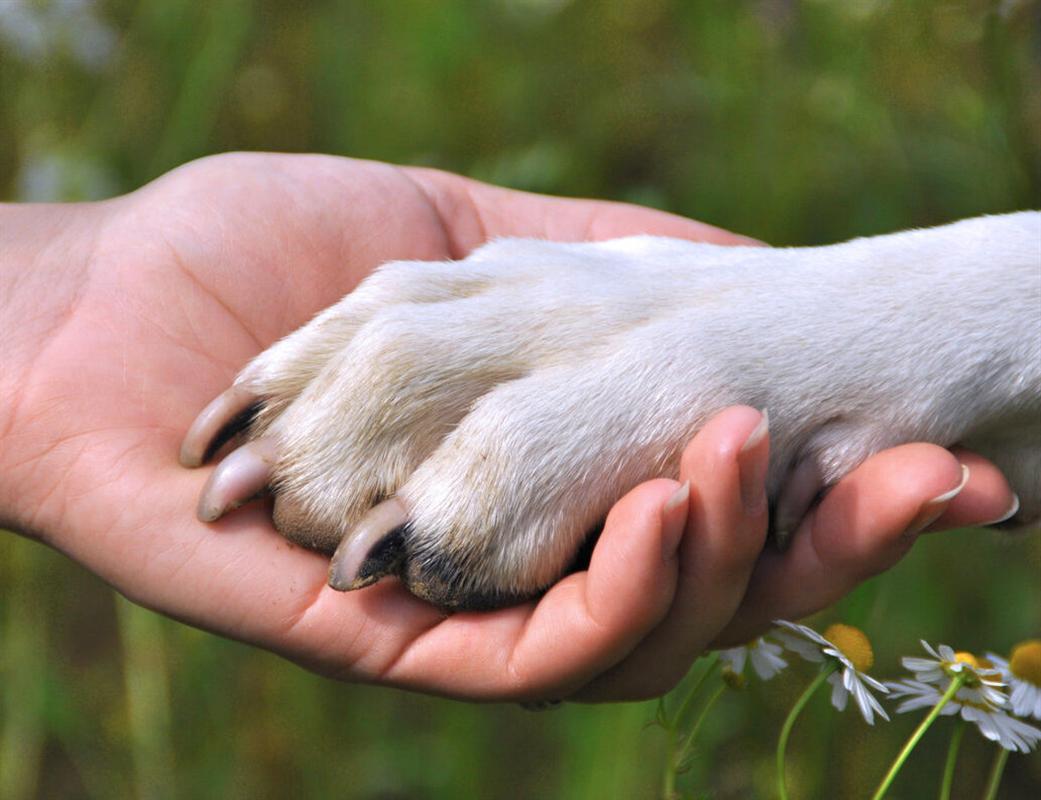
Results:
x,y
734,680
1025,662
853,644
970,678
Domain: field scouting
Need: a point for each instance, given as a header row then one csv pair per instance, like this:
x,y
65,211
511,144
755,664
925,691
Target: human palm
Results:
x,y
185,280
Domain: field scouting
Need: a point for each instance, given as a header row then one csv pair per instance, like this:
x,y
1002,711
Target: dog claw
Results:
x,y
237,479
798,494
225,415
374,548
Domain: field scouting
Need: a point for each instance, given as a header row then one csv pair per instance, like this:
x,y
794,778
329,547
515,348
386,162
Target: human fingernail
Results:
x,y
752,463
1012,509
673,521
932,509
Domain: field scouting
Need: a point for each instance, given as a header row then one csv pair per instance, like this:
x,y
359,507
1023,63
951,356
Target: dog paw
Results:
x,y
467,426
464,425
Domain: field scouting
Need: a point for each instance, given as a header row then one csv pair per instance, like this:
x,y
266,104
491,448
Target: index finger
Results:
x,y
862,527
475,212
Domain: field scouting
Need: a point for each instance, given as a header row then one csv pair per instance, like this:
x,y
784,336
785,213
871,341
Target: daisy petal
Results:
x,y
839,694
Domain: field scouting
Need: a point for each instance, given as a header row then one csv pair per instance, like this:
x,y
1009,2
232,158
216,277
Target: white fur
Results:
x,y
510,398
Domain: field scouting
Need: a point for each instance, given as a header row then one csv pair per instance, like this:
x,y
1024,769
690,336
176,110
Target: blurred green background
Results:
x,y
796,122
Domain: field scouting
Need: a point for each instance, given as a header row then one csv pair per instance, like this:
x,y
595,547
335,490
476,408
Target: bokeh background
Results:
x,y
796,122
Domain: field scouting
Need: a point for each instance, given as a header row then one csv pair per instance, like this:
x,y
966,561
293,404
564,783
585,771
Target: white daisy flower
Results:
x,y
765,657
849,649
1022,673
991,720
983,683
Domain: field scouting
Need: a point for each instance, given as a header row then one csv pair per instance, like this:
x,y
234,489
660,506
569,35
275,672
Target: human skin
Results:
x,y
121,319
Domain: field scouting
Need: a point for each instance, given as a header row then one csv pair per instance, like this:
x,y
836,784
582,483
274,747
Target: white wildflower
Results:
x,y
983,682
765,657
850,651
991,720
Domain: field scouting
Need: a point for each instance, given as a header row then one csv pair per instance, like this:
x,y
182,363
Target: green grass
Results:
x,y
794,122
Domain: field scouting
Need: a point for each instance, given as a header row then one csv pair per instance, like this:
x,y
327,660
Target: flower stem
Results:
x,y
673,757
713,662
887,781
952,760
996,771
782,742
668,784
689,741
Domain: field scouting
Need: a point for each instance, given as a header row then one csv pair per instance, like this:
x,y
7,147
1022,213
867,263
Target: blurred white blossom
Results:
x,y
38,31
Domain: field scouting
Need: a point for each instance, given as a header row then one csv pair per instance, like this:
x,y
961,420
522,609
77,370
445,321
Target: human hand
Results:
x,y
123,318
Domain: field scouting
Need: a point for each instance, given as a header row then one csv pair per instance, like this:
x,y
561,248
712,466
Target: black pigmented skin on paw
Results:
x,y
385,558
439,579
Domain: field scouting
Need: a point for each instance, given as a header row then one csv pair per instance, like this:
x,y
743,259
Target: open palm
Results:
x,y
182,282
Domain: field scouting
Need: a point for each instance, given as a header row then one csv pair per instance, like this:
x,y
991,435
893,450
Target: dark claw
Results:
x,y
802,488
227,414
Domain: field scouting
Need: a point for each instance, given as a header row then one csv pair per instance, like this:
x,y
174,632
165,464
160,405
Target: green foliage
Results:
x,y
794,122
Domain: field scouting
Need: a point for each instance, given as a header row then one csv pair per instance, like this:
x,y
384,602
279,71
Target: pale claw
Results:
x,y
374,548
215,425
238,478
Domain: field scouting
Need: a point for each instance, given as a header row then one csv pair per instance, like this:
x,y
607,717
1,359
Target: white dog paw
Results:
x,y
467,426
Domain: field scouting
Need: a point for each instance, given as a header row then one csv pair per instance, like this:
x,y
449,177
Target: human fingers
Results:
x,y
985,500
725,466
591,621
475,212
863,526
